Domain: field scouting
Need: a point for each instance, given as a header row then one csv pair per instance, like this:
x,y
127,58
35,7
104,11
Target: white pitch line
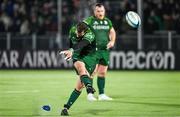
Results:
x,y
22,91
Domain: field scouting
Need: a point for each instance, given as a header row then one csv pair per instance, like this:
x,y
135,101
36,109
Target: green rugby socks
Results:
x,y
86,80
91,81
74,95
101,84
88,84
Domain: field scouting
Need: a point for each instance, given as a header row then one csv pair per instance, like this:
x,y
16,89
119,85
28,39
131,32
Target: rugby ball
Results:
x,y
133,19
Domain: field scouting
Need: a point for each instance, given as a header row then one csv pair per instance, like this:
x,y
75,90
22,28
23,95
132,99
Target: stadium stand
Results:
x,y
34,16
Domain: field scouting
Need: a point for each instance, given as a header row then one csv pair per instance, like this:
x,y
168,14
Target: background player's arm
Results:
x,y
112,37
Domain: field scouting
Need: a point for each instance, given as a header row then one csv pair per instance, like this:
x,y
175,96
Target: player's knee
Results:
x,y
82,72
81,69
102,74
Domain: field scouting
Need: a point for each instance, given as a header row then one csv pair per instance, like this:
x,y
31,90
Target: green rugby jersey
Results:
x,y
101,30
89,35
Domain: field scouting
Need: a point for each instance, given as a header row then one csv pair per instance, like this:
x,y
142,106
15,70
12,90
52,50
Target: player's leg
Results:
x,y
101,72
81,69
94,72
85,79
79,87
103,63
90,64
84,75
73,97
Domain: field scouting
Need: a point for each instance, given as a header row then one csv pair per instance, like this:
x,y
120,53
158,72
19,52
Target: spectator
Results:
x,y
40,16
6,21
24,29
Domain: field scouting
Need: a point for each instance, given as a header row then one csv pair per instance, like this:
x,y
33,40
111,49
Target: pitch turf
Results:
x,y
141,94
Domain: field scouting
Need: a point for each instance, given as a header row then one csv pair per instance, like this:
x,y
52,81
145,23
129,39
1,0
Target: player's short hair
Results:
x,y
81,26
99,5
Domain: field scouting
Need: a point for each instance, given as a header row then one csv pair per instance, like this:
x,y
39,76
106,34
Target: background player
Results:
x,y
105,36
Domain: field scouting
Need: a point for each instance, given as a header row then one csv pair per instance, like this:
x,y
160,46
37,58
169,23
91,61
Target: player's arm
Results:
x,y
87,39
68,53
83,43
76,47
112,37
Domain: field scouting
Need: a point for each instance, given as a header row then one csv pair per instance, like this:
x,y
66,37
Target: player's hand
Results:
x,y
110,44
67,53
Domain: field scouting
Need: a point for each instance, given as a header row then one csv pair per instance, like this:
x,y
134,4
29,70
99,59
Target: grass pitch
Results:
x,y
141,94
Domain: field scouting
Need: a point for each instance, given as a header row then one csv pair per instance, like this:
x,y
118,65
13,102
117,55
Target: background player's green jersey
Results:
x,y
101,30
89,36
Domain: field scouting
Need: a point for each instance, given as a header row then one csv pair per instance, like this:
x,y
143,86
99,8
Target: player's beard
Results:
x,y
101,16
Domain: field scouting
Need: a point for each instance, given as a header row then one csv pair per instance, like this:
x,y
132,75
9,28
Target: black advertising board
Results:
x,y
129,60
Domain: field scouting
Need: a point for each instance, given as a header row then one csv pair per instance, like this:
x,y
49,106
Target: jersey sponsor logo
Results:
x,y
95,23
105,22
99,27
